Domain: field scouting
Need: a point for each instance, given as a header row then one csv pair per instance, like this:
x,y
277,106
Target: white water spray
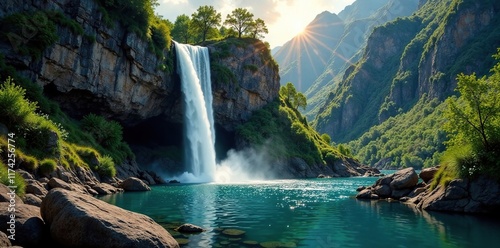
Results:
x,y
194,66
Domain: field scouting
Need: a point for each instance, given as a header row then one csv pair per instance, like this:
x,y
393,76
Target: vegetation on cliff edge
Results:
x,y
287,133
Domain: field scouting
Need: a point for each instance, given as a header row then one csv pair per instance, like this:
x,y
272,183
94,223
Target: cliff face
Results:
x,y
113,72
453,47
244,82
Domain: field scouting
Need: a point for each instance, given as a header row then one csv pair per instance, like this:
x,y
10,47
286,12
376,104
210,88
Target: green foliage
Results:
x,y
290,94
135,15
251,67
258,28
474,121
222,73
288,134
411,139
240,20
182,31
109,135
19,181
326,138
106,167
14,108
444,175
47,166
21,28
160,36
204,19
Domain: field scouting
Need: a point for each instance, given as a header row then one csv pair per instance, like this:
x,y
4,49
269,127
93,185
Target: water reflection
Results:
x,y
303,213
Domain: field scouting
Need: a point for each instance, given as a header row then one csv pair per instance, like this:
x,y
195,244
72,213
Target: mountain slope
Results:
x,y
349,49
409,58
303,58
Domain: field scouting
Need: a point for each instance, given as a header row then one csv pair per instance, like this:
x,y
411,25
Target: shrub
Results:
x,y
18,180
106,133
106,167
27,162
47,166
14,108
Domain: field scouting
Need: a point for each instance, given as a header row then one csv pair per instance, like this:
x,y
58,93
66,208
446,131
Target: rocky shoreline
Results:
x,y
475,196
63,211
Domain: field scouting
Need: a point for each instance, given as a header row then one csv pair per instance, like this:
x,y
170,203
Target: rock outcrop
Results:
x,y
481,195
400,185
243,82
77,220
478,196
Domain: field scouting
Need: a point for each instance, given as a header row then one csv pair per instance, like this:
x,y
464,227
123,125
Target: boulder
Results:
x,y
367,194
5,195
134,184
58,183
77,220
104,189
428,173
383,190
32,200
405,178
4,240
36,188
29,227
398,193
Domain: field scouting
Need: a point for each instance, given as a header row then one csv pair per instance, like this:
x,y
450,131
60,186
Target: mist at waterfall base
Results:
x,y
193,63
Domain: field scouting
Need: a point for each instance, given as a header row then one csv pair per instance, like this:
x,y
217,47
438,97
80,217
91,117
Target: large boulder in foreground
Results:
x,y
77,220
27,227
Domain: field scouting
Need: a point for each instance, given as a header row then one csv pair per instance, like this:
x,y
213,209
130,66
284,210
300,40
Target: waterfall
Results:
x,y
194,66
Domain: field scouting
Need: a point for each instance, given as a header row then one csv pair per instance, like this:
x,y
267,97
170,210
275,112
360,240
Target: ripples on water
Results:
x,y
303,213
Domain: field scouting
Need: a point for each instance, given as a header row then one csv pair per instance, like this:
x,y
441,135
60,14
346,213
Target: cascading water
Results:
x,y
194,66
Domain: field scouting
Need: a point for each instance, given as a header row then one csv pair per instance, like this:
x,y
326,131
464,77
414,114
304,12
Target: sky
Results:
x,y
284,18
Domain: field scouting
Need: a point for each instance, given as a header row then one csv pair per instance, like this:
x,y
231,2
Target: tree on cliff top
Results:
x,y
258,28
204,19
239,20
182,31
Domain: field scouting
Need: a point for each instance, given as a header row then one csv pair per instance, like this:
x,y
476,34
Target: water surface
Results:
x,y
303,213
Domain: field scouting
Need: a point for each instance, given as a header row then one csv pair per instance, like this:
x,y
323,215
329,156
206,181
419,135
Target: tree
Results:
x,y
475,115
239,20
294,98
181,31
299,101
474,124
257,28
205,19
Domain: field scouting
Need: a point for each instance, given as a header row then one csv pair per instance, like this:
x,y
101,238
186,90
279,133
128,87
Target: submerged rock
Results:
x,y
233,232
77,220
189,228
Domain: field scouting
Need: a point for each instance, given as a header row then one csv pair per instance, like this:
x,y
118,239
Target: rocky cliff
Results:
x,y
113,72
